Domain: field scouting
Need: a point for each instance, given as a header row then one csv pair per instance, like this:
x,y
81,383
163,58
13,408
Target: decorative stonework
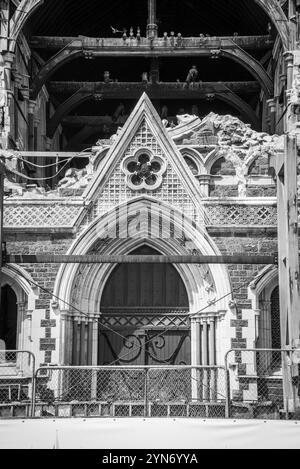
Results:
x,y
232,139
51,215
242,215
171,189
76,179
144,170
146,319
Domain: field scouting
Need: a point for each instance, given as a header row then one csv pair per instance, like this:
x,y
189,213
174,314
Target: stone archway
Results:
x,y
264,293
18,305
208,288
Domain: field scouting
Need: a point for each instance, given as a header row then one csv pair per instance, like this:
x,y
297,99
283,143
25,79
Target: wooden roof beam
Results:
x,y
219,92
226,50
61,116
56,42
133,89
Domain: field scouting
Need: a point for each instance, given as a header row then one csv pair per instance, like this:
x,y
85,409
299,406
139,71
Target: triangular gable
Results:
x,y
144,114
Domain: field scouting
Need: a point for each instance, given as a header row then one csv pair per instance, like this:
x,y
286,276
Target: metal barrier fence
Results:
x,y
254,383
260,383
157,391
17,381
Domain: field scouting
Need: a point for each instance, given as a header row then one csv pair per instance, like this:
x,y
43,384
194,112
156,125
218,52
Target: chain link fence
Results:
x,y
187,392
17,380
254,383
160,391
262,383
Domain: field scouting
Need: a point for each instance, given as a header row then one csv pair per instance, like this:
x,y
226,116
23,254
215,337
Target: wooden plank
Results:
x,y
139,259
288,261
292,242
1,226
52,154
58,42
134,89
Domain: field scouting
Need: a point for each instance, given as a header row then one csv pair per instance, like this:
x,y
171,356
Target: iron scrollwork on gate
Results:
x,y
144,340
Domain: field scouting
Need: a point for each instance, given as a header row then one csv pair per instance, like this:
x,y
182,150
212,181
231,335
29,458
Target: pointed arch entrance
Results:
x,y
84,286
8,318
146,307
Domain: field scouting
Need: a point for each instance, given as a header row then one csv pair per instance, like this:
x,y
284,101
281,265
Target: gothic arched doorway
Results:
x,y
145,307
8,318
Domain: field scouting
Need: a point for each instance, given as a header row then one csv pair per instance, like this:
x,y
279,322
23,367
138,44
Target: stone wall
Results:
x,y
45,324
242,275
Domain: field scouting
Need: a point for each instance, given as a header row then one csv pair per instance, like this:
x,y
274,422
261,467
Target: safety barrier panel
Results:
x,y
261,383
254,383
158,391
17,381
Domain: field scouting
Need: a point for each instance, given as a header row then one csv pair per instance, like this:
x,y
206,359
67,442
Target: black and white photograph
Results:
x,y
149,228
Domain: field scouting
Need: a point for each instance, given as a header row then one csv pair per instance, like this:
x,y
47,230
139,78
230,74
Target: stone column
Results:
x,y
90,341
196,356
152,29
21,326
204,183
265,340
204,357
95,338
36,121
280,106
212,341
272,113
17,86
6,95
290,122
154,70
289,61
76,341
257,313
48,143
39,172
195,341
94,352
31,109
65,341
4,25
213,373
204,340
28,329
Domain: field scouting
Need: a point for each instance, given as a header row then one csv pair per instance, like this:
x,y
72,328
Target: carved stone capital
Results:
x,y
272,105
9,58
31,106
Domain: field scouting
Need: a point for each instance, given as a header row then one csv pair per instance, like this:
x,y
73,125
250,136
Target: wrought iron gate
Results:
x,y
144,337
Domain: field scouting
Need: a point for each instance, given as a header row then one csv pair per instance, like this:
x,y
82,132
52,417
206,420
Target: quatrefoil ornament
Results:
x,y
144,170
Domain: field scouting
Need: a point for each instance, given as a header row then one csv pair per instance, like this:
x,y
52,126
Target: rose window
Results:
x,y
144,170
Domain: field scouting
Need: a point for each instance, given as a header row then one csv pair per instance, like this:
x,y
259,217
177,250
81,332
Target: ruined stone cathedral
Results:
x,y
145,128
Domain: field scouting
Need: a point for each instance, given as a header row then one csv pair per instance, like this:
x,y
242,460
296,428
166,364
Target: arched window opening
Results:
x,y
223,168
8,319
269,334
223,184
259,167
192,165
